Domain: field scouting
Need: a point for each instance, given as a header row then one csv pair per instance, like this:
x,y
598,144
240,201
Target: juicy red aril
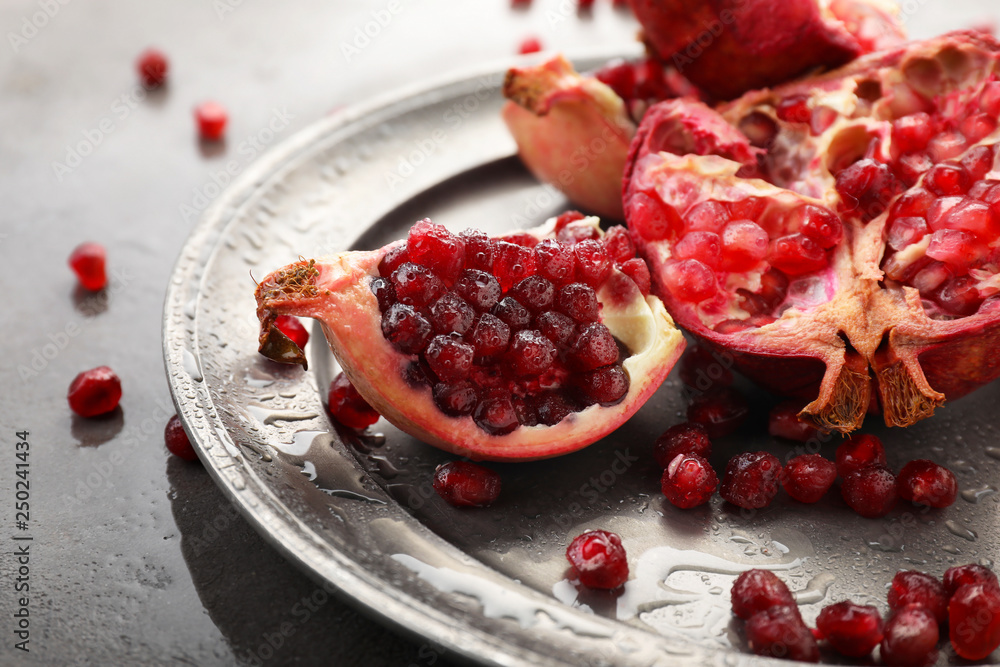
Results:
x,y
755,591
592,263
808,477
495,413
535,293
529,45
605,386
552,408
478,250
651,218
910,638
555,261
415,285
638,271
871,492
915,202
465,484
912,133
384,292
594,347
866,188
450,358
211,118
531,353
978,162
556,327
293,328
796,254
783,422
393,259
706,247
455,399
620,76
347,406
744,245
977,126
819,224
578,301
974,620
956,248
946,145
619,245
959,297
690,280
927,483
906,231
434,247
956,577
404,327
177,440
751,480
490,336
780,632
794,109
512,263
859,451
688,481
598,559
721,412
851,629
685,438
152,67
947,179
512,313
95,392
88,263
451,314
707,216
910,587
480,289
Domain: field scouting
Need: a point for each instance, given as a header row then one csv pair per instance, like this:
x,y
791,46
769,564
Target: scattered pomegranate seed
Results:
x,y
684,438
858,452
688,481
974,620
783,422
529,45
347,406
956,577
851,629
177,440
911,637
927,483
751,480
871,492
465,484
152,67
293,328
88,263
95,392
808,477
910,587
758,590
211,118
721,412
599,559
780,632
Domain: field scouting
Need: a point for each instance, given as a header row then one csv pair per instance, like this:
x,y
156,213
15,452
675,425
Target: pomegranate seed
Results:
x,y
906,231
553,408
450,358
512,263
930,278
293,328
415,285
866,187
455,399
751,480
464,484
706,247
910,587
858,452
759,128
794,109
535,292
598,559
796,254
480,289
406,329
946,145
974,620
619,245
555,261
638,271
912,133
177,440
531,353
703,370
688,481
579,301
744,245
748,208
95,392
959,297
961,575
152,67
620,76
808,477
977,162
989,100
393,259
495,413
871,492
912,166
822,118
564,219
529,45
913,202
437,249
910,638
819,224
573,234
88,263
592,263
594,347
512,313
652,219
972,216
783,422
348,406
756,590
851,629
690,280
780,632
211,118
720,412
706,216
605,386
927,483
947,179
490,336
685,438
956,248
451,314
384,292
478,250
557,327
938,212
978,126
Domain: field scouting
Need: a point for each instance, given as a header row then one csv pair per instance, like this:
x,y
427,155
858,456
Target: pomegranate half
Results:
x,y
861,250
522,347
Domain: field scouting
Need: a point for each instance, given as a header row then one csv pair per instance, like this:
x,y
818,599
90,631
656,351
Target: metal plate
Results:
x,y
358,512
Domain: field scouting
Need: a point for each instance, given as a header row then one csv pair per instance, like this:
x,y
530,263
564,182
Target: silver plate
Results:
x,y
358,513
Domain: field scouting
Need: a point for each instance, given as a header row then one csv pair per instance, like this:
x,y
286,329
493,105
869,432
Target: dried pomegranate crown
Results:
x,y
838,233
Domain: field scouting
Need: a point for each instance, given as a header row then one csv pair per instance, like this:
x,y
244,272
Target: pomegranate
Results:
x,y
88,261
515,348
688,481
598,559
729,46
177,440
95,392
465,484
211,118
852,252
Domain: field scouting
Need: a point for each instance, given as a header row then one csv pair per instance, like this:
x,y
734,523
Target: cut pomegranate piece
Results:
x,y
211,118
721,412
465,484
956,577
177,440
808,477
780,632
910,587
598,559
911,637
152,66
95,392
756,590
851,629
751,480
974,620
88,263
871,492
927,483
348,406
451,354
880,220
688,481
858,452
685,438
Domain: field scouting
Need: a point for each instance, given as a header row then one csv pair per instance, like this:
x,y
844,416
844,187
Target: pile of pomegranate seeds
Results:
x,y
88,263
507,330
177,440
774,626
598,559
347,406
95,392
465,484
211,118
293,328
152,67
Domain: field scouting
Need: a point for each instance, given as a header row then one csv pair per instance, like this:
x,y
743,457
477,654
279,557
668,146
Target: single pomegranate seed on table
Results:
x,y
152,67
751,480
910,587
927,483
910,638
585,5
871,492
529,45
757,590
88,263
780,632
347,406
974,620
721,412
293,328
783,422
598,559
851,629
808,477
860,451
685,438
95,392
956,577
177,440
211,118
465,484
688,481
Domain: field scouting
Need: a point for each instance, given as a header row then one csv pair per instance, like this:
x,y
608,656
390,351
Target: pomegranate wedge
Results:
x,y
860,252
522,347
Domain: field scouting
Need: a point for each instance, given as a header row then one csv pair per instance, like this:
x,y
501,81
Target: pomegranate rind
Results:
x,y
572,131
336,292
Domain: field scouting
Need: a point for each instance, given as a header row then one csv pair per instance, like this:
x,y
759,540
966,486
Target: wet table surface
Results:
x,y
135,556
